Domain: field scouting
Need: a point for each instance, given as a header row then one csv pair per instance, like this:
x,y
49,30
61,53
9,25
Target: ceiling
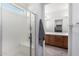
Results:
x,y
23,5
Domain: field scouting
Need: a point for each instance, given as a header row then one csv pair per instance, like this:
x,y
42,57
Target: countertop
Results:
x,y
56,33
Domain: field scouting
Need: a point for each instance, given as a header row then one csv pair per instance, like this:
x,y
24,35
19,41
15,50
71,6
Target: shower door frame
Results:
x,y
31,33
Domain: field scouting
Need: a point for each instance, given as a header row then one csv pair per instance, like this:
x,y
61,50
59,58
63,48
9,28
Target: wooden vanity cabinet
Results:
x,y
47,39
57,40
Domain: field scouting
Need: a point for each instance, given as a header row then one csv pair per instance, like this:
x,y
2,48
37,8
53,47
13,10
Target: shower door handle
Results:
x,y
30,37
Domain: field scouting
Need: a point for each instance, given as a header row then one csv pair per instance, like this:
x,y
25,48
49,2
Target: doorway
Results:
x,y
56,26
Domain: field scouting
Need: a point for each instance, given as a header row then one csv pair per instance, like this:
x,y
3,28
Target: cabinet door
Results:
x,y
65,42
52,38
59,41
47,37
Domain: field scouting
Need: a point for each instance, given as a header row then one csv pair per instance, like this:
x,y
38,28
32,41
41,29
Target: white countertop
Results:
x,y
56,33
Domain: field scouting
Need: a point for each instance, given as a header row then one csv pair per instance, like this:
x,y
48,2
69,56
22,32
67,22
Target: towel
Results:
x,y
41,33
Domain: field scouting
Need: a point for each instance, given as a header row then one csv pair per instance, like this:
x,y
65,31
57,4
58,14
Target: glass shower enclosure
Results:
x,y
18,31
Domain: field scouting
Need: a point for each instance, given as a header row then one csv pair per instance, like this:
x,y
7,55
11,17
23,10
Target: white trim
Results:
x,y
70,31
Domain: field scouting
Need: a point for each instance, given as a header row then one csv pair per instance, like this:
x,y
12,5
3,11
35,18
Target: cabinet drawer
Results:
x,y
65,43
59,39
47,37
59,44
52,39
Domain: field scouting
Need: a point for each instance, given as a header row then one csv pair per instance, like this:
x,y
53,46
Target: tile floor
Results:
x,y
55,51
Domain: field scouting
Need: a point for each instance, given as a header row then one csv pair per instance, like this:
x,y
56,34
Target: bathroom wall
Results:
x,y
54,12
75,29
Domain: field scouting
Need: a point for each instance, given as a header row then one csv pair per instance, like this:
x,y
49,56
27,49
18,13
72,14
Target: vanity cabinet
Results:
x,y
57,40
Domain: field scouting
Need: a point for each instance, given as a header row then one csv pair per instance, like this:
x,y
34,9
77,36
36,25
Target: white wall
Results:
x,y
75,29
54,12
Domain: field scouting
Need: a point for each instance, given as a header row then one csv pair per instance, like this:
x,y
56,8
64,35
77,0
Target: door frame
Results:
x,y
69,31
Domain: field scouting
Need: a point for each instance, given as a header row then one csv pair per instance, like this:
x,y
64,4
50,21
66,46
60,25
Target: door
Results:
x,y
16,30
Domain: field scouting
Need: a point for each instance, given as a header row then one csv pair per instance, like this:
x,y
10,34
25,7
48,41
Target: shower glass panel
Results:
x,y
16,31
